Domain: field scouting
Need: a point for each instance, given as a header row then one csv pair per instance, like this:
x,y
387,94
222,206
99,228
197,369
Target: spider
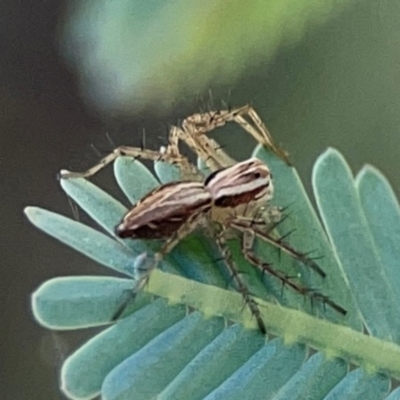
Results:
x,y
229,199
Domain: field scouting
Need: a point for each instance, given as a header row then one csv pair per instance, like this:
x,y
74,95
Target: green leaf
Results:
x,y
79,302
214,364
359,385
151,368
315,379
84,372
263,374
382,212
157,351
167,173
352,241
84,239
134,178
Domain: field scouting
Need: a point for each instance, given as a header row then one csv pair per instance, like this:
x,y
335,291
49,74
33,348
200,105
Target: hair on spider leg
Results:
x,y
286,235
227,104
109,139
326,300
217,260
280,240
74,208
283,209
220,147
283,284
96,150
252,304
210,97
166,130
307,259
315,294
321,257
277,223
143,139
307,253
264,269
299,256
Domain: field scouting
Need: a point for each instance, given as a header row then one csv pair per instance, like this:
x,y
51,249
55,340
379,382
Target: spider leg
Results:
x,y
134,152
258,229
188,170
141,272
261,133
168,154
206,148
201,124
144,266
247,249
237,280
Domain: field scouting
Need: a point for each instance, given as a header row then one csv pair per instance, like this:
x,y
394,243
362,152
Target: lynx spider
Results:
x,y
244,219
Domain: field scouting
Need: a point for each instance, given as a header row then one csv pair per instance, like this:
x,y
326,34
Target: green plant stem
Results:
x,y
334,340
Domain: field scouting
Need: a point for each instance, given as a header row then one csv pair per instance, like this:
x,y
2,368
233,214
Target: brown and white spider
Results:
x,y
229,200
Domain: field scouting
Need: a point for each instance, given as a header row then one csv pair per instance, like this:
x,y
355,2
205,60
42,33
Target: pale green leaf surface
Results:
x,y
80,301
395,395
100,206
352,241
166,172
151,368
84,371
84,239
382,212
314,380
214,364
134,178
360,385
263,374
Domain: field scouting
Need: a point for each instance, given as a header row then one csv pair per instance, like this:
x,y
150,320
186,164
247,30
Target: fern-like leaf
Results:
x,y
160,350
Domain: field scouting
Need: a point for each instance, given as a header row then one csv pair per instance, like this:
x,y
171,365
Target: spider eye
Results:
x,y
257,175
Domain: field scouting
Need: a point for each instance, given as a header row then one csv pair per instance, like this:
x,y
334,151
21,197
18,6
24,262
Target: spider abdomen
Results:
x,y
164,210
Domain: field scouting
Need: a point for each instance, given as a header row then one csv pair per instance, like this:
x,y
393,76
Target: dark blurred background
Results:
x,y
337,83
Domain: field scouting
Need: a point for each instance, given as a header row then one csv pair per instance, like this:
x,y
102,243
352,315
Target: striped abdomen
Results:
x,y
162,212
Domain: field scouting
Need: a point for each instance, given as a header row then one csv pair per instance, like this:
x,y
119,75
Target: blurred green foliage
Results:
x,y
135,53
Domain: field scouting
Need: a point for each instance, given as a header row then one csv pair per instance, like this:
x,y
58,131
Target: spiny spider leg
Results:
x,y
258,228
266,137
141,272
206,148
168,154
201,124
144,266
237,280
250,256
